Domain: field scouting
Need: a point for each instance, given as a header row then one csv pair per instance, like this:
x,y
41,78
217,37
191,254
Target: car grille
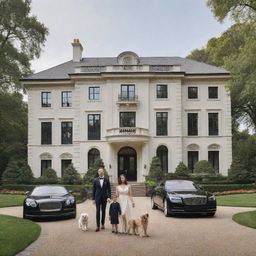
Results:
x,y
50,206
195,200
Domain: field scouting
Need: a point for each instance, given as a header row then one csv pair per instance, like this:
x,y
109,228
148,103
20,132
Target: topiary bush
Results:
x,y
17,172
49,177
182,170
202,167
92,172
156,173
71,176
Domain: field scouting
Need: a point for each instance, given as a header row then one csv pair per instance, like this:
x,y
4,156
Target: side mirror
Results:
x,y
27,193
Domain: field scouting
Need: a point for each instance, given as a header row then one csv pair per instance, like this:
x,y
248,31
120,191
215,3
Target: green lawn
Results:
x,y
11,200
238,200
16,234
247,219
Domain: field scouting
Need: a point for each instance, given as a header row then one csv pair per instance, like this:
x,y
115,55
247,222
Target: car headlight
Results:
x,y
175,199
68,202
212,198
31,202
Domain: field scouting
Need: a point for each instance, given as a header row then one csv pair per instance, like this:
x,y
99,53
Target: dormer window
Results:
x,y
128,58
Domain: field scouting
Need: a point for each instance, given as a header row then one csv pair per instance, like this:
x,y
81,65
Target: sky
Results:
x,y
109,27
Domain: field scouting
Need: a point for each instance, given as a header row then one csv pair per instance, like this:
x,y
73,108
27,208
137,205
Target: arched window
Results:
x,y
93,154
162,154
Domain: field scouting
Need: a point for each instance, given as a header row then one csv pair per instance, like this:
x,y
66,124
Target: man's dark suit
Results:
x,y
100,195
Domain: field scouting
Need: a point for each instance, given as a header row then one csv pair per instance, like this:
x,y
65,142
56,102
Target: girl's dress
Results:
x,y
114,212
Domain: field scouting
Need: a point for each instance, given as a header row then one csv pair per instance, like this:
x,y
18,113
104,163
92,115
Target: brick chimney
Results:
x,y
77,50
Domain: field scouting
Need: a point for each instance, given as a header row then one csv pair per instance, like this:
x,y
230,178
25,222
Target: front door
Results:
x,y
127,163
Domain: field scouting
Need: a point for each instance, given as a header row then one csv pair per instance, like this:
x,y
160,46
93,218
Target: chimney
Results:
x,y
77,50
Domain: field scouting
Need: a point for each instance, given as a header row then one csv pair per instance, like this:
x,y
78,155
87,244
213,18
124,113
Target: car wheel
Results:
x,y
166,210
211,214
153,205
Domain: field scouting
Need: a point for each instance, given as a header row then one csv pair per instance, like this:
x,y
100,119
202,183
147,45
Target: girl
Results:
x,y
114,212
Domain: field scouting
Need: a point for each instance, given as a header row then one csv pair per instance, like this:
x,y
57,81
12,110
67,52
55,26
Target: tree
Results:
x,y
203,166
49,177
182,170
71,176
156,173
92,172
13,128
21,39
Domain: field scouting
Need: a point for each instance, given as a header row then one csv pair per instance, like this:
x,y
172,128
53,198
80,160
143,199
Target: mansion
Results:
x,y
127,109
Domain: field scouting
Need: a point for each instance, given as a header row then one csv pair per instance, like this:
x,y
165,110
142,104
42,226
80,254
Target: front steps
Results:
x,y
138,189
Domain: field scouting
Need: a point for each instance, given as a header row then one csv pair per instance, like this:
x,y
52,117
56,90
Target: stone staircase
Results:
x,y
138,189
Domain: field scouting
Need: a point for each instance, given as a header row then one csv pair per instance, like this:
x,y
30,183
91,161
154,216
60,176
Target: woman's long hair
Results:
x,y
120,181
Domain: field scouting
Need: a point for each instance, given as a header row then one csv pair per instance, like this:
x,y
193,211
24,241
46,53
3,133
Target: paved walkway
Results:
x,y
181,236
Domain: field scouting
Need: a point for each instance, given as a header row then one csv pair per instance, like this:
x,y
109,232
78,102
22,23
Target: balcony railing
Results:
x,y
122,97
127,131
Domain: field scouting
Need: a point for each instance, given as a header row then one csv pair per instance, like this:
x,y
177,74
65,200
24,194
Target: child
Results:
x,y
114,212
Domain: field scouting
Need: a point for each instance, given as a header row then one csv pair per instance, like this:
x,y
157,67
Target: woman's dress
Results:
x,y
124,201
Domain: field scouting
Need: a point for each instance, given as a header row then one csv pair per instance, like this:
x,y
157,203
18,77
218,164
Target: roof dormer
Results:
x,y
128,58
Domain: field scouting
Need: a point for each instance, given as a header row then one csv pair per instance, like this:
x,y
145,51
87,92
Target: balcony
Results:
x,y
127,134
127,101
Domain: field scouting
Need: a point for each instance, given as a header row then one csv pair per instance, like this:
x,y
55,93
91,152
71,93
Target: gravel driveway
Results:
x,y
168,236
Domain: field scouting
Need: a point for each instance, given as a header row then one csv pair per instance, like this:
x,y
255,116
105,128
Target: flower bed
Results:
x,y
231,192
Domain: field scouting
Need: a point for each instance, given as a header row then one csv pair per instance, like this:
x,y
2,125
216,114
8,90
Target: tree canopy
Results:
x,y
21,39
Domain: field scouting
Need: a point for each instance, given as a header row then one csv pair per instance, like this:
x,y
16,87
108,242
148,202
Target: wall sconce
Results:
x,y
110,166
145,166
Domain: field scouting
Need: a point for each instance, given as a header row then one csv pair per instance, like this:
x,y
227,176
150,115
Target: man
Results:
x,y
101,195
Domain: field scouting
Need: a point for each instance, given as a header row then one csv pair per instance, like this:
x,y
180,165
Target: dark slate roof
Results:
x,y
188,66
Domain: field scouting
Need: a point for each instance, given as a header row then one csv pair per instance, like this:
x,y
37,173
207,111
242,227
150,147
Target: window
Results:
x,y
161,91
192,92
192,159
127,92
66,132
94,93
93,154
213,159
46,133
161,123
44,165
64,165
46,99
66,99
94,127
192,124
213,123
162,154
213,92
127,119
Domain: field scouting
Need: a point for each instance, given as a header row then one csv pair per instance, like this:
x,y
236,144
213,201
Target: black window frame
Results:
x,y
194,159
62,166
213,160
46,102
162,153
93,95
213,95
47,165
92,155
160,92
94,134
127,120
66,139
130,93
46,136
192,125
213,124
161,131
68,97
192,97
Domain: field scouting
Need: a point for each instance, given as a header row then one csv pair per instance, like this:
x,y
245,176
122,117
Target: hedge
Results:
x,y
227,187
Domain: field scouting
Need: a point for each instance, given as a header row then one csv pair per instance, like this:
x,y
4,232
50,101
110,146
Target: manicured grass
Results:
x,y
16,234
247,219
7,200
238,200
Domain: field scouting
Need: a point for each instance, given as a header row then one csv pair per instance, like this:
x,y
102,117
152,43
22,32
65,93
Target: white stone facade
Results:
x,y
142,138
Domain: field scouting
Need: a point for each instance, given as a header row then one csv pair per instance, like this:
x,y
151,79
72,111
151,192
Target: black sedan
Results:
x,y
182,196
49,201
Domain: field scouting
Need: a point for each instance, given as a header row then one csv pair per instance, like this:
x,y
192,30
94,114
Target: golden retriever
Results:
x,y
139,225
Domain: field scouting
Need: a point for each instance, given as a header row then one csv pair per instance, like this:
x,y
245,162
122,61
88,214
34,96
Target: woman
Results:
x,y
124,194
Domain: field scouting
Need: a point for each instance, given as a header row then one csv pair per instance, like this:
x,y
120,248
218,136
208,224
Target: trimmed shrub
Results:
x,y
49,177
156,173
71,176
203,166
182,170
26,175
227,187
92,172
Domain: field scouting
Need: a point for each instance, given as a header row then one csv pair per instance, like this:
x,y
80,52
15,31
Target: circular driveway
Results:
x,y
168,236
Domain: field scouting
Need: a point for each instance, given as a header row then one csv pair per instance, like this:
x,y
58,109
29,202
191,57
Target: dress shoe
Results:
x,y
102,227
97,229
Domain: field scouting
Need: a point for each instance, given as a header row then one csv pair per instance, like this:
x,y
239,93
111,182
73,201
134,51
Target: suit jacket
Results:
x,y
101,193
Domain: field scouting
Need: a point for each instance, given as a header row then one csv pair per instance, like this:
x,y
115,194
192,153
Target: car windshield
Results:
x,y
180,185
49,190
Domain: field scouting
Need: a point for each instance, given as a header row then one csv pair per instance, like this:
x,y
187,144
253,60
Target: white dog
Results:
x,y
83,221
